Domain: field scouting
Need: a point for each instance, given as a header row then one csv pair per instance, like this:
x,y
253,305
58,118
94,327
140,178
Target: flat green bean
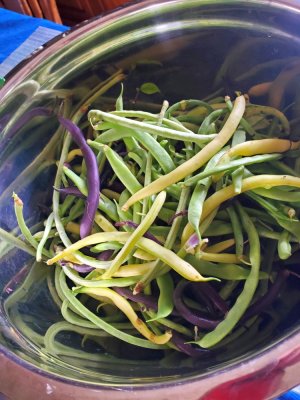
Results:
x,y
245,298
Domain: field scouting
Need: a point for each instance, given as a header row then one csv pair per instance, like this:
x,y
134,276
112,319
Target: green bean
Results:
x,y
121,170
157,151
146,116
22,224
55,198
67,203
79,182
227,289
54,329
198,160
280,215
237,179
211,118
124,216
215,228
232,165
169,324
168,169
140,162
52,289
279,194
167,256
280,166
168,244
244,123
18,205
105,205
284,246
118,282
196,204
184,105
224,271
106,246
138,233
102,324
265,110
245,298
125,306
75,212
237,232
47,230
165,299
238,137
148,177
97,116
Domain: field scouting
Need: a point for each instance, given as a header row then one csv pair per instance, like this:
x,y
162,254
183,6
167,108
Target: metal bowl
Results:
x,y
190,49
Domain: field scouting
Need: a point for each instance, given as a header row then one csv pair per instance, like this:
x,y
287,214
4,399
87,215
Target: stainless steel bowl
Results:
x,y
201,47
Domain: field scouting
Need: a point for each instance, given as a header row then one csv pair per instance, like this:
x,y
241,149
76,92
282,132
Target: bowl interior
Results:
x,y
195,49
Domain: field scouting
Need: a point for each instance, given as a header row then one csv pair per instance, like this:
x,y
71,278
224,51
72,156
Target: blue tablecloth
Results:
x,y
15,28
20,35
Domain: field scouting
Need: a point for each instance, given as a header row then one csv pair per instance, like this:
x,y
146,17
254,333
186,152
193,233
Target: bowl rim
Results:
x,y
281,348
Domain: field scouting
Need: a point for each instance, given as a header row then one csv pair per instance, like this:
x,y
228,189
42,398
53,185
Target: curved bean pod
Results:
x,y
194,163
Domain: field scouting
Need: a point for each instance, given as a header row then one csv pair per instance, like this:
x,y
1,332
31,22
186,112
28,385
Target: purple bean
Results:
x,y
83,268
194,317
207,292
193,241
132,224
266,300
93,180
67,164
147,300
105,255
200,297
187,348
70,191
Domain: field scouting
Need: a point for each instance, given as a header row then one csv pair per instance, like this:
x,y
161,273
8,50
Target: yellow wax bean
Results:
x,y
179,265
220,257
124,305
143,255
194,163
111,194
73,227
261,147
99,237
129,270
254,182
72,154
104,223
221,246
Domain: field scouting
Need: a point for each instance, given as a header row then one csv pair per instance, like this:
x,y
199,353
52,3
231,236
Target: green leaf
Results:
x,y
149,88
